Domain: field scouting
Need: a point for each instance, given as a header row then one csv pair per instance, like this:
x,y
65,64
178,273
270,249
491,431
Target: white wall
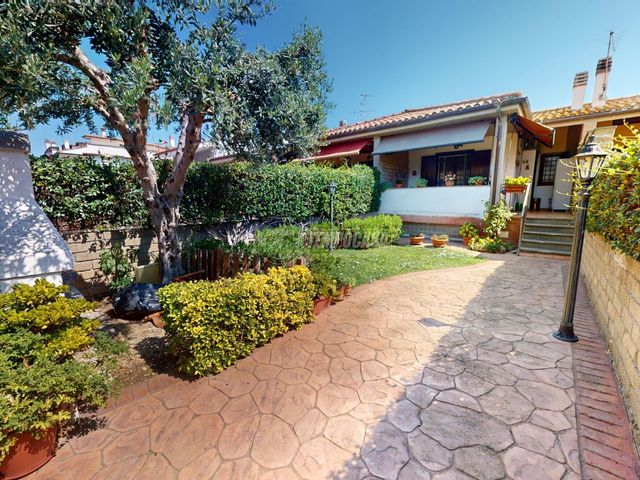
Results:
x,y
435,201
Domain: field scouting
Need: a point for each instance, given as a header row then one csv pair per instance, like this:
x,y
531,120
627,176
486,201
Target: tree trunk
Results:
x,y
165,218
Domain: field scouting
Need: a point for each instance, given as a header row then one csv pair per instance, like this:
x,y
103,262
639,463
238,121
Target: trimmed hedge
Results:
x,y
614,208
212,324
83,193
368,232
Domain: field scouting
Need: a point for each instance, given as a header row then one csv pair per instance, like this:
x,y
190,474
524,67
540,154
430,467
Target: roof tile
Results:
x,y
613,105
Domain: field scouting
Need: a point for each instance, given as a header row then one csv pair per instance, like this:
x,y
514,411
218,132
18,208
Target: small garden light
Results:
x,y
588,164
332,191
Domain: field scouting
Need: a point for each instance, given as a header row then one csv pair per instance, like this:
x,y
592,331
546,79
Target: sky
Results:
x,y
413,53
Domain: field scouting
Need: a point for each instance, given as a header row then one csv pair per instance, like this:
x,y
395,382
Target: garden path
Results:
x,y
445,374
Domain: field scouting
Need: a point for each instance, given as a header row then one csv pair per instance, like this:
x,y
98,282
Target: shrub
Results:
x,y
496,218
491,245
614,208
117,264
365,232
469,230
421,182
40,379
280,245
212,324
477,180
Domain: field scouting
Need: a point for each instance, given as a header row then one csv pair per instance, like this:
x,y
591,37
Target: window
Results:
x,y
547,173
464,164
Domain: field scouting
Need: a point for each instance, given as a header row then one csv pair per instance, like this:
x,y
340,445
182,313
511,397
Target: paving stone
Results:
x,y
452,474
506,404
421,395
437,380
136,414
406,374
428,452
198,436
310,425
456,397
280,474
382,392
296,401
242,469
267,394
126,469
456,427
203,467
522,464
385,451
275,444
479,462
472,385
358,351
127,445
345,371
234,382
537,439
374,370
369,412
554,421
167,427
94,440
236,438
239,408
156,468
319,458
414,471
294,376
404,415
346,432
210,400
544,396
336,399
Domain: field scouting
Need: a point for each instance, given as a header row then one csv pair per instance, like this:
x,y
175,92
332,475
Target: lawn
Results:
x,y
366,266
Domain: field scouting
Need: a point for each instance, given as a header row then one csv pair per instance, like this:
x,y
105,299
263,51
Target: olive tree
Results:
x,y
126,63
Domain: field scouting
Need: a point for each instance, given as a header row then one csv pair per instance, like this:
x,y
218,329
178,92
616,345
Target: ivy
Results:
x,y
614,208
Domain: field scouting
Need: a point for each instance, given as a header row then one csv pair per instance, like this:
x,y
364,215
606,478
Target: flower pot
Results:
x,y
466,240
416,240
399,185
339,296
438,243
515,188
449,183
29,454
320,303
347,290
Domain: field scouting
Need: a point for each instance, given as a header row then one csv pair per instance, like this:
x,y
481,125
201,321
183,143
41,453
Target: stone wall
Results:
x,y
86,246
613,282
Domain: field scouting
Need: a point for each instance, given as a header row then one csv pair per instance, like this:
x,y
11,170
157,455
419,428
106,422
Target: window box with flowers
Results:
x,y
516,184
449,179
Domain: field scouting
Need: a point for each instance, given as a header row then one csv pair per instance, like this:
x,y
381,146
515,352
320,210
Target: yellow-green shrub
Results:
x,y
212,324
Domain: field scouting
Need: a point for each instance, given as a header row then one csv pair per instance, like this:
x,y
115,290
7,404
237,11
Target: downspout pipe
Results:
x,y
496,155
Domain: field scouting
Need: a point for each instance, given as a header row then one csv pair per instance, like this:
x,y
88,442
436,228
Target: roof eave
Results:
x,y
590,115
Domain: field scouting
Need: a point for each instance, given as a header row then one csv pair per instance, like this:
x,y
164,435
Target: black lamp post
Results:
x,y
332,191
588,163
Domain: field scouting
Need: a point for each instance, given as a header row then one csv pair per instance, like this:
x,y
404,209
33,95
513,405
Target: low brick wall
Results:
x,y
86,246
613,282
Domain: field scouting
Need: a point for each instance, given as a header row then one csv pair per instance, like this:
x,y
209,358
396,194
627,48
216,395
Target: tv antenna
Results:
x,y
362,112
610,48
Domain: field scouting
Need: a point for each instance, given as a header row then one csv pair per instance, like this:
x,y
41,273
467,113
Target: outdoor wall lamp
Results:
x,y
332,191
588,164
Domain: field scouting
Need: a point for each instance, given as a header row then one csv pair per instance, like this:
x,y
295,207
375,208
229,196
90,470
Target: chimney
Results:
x,y
172,141
602,78
342,123
65,144
579,88
103,132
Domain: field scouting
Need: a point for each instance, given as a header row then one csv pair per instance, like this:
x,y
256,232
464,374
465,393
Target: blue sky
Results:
x,y
413,53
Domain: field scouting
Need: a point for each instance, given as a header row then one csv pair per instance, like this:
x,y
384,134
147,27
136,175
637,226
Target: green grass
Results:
x,y
366,266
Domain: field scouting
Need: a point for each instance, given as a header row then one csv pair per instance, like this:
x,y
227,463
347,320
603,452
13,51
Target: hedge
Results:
x,y
614,208
368,232
84,193
212,324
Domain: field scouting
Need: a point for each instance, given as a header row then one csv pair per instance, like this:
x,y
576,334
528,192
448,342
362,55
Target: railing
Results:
x,y
458,201
523,213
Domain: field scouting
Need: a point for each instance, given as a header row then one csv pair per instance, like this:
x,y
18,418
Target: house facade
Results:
x,y
445,146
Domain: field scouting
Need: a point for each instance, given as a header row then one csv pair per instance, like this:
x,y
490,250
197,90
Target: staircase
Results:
x,y
550,234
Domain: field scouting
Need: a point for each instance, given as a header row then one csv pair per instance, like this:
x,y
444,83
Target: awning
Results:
x,y
344,149
436,137
530,129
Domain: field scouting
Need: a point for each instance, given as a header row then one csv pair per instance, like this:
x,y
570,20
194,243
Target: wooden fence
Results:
x,y
216,263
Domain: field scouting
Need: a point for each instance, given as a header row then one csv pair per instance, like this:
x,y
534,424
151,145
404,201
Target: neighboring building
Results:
x,y
482,137
104,147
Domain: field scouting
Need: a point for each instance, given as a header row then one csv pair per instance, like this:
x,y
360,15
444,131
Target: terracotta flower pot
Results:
x,y
466,240
515,188
29,454
340,295
319,304
439,243
416,240
449,183
347,290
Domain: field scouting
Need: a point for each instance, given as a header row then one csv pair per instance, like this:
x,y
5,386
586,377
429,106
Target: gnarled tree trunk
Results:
x,y
165,218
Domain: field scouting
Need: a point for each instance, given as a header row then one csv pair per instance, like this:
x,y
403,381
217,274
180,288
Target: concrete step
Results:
x,y
534,243
548,251
547,234
549,221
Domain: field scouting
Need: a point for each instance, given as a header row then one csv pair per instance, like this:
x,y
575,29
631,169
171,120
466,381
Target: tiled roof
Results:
x,y
611,106
420,114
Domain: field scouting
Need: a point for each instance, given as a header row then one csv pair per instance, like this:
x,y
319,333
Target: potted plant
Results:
x,y
477,180
468,231
416,239
348,286
516,184
43,377
439,240
326,289
449,179
399,183
421,183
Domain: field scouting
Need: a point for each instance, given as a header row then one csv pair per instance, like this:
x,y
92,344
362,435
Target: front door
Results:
x,y
563,184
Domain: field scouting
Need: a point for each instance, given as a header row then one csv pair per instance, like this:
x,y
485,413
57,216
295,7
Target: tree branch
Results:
x,y
190,136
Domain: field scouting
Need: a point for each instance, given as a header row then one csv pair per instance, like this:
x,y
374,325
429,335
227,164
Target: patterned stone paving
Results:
x,y
442,375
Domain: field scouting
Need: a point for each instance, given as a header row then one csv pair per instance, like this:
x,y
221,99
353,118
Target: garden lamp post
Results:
x,y
332,191
588,163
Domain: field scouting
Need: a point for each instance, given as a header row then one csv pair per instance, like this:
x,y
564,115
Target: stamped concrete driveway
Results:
x,y
448,374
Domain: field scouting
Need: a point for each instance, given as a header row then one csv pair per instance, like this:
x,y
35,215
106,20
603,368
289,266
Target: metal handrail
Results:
x,y
523,213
